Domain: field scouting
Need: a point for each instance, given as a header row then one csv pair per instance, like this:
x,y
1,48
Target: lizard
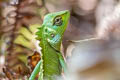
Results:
x,y
50,35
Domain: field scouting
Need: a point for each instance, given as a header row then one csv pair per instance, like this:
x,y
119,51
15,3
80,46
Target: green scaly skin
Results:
x,y
50,36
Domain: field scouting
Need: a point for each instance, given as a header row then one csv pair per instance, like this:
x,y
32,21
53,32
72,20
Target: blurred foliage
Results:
x,y
20,21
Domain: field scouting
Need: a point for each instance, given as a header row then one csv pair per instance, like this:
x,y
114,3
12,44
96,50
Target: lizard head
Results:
x,y
54,26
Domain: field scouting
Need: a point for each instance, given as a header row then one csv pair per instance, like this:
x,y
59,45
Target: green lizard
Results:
x,y
50,36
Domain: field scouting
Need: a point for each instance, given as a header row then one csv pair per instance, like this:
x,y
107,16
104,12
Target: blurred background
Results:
x,y
95,59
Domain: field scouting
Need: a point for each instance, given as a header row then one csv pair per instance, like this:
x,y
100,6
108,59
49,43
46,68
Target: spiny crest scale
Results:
x,y
39,33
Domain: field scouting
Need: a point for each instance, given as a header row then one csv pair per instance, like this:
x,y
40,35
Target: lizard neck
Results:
x,y
50,60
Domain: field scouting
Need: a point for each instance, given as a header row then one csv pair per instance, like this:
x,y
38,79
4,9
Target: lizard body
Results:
x,y
50,36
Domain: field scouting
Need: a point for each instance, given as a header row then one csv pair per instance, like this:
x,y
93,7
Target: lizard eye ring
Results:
x,y
58,21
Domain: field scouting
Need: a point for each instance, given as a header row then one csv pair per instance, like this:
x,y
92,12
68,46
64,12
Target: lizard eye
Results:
x,y
58,21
